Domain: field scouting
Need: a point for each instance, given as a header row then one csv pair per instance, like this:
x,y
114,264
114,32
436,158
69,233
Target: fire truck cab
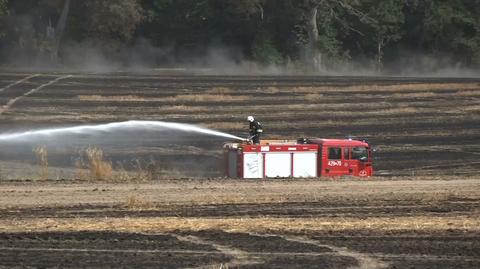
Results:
x,y
339,157
314,157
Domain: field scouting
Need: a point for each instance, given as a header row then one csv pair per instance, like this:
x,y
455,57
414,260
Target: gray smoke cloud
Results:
x,y
34,50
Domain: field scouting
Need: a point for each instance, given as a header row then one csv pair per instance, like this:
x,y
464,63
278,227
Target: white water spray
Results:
x,y
114,126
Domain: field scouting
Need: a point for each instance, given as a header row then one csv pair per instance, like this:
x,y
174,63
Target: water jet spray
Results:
x,y
114,126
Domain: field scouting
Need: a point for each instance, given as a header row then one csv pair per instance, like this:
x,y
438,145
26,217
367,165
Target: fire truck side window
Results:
x,y
334,153
359,153
346,153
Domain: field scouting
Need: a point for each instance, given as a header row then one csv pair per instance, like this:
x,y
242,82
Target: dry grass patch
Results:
x,y
438,197
313,97
252,199
415,95
246,224
396,87
182,108
42,157
472,108
468,93
208,98
219,90
433,86
100,169
136,203
270,90
301,107
399,110
146,170
117,98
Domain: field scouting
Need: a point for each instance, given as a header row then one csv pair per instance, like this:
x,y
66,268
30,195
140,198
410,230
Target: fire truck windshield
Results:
x,y
360,153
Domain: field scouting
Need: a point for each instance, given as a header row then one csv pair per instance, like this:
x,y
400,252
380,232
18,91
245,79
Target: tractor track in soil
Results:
x,y
207,249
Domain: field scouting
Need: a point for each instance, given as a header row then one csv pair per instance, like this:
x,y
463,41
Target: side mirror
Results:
x,y
363,159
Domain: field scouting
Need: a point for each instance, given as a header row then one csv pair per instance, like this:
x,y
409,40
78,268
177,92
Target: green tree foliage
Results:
x,y
3,15
248,7
316,34
453,26
332,25
324,23
190,25
264,51
385,18
113,19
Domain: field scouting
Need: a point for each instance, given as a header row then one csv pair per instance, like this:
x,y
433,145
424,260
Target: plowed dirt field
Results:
x,y
396,223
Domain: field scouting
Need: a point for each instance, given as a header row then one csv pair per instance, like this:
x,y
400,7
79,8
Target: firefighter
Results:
x,y
255,130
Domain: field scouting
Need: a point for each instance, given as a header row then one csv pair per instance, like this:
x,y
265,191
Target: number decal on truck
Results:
x,y
334,163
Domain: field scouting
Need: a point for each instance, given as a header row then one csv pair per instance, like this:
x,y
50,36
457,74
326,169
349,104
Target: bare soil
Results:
x,y
380,223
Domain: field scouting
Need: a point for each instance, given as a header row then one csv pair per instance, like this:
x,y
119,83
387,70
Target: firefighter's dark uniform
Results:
x,y
255,131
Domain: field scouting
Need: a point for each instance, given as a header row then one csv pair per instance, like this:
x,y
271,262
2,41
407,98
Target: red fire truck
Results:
x,y
312,157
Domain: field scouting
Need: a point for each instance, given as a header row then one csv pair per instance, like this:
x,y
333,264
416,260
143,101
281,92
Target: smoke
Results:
x,y
142,56
88,57
428,65
32,50
95,56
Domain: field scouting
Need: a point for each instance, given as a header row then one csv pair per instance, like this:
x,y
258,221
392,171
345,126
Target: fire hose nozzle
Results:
x,y
248,140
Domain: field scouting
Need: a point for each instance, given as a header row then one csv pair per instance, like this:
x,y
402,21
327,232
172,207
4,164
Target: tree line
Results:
x,y
315,35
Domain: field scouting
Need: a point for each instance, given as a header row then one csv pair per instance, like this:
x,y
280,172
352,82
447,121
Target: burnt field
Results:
x,y
420,211
419,126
